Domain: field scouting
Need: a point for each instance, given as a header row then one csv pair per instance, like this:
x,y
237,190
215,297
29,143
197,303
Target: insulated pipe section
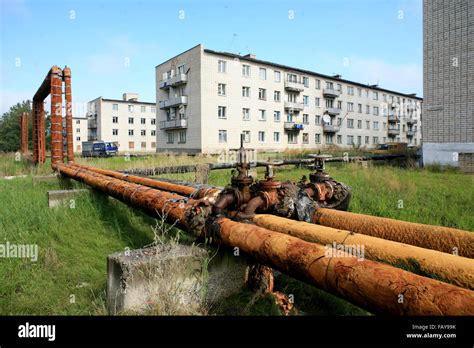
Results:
x,y
56,116
450,268
68,97
371,285
445,239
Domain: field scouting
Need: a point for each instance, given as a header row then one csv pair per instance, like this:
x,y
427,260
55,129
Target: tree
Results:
x,y
10,127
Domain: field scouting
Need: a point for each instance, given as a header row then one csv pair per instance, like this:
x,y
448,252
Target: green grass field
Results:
x,y
70,274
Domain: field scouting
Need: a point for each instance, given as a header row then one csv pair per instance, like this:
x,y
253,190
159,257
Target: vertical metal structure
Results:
x,y
68,106
24,133
56,115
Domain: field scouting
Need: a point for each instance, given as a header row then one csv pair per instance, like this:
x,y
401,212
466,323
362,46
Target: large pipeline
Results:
x,y
445,239
371,285
450,268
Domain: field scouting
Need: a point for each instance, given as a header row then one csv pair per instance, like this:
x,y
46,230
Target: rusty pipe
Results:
x,y
56,116
445,239
68,97
371,285
223,202
253,205
450,268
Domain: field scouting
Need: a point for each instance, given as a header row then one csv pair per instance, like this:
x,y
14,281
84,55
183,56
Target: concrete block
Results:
x,y
172,279
202,174
44,178
58,197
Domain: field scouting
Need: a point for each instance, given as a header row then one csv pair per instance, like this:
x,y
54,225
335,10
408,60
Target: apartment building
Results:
x,y
448,83
207,99
128,122
79,132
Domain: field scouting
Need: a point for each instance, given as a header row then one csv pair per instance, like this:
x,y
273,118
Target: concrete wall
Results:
x,y
79,131
448,50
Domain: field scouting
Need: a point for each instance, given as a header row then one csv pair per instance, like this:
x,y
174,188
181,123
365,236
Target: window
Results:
x,y
130,120
329,138
245,114
262,94
262,115
222,136
366,93
292,97
143,120
305,100
292,78
246,70
153,109
359,108
170,139
114,131
317,119
263,73
318,85
350,140
305,118
221,89
130,132
317,101
359,124
246,134
359,92
367,139
305,138
143,108
384,96
339,139
350,90
78,138
375,140
78,121
376,125
114,119
276,96
221,112
384,126
317,138
114,106
153,121
359,140
350,106
376,110
130,108
143,144
306,81
350,123
339,104
375,95
153,133
367,109
221,66
276,116
78,130
292,138
261,136
180,69
339,121
339,88
276,137
143,132
153,145
246,92
131,145
329,103
182,136
277,76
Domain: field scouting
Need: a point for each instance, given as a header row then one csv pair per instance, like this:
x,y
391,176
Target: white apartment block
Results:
x,y
79,131
206,99
128,122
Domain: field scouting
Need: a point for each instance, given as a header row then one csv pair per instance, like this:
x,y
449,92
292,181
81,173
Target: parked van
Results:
x,y
99,148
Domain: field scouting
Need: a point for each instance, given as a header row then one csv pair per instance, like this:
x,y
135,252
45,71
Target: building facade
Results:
x,y
79,131
129,123
448,82
207,99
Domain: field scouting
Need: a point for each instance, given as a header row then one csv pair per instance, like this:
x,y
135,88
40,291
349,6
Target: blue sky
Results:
x,y
113,46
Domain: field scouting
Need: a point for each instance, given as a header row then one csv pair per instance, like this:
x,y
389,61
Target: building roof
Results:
x,y
126,101
281,66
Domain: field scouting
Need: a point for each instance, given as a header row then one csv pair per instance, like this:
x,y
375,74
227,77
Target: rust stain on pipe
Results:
x,y
369,284
56,116
445,239
454,269
68,97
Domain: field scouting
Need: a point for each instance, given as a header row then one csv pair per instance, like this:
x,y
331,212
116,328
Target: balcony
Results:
x,y
392,118
411,107
172,102
293,126
333,111
331,93
177,123
411,133
393,131
411,121
92,123
177,80
329,128
294,86
393,105
294,106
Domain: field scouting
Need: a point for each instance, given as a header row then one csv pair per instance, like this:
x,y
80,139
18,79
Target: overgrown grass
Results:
x,y
70,274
